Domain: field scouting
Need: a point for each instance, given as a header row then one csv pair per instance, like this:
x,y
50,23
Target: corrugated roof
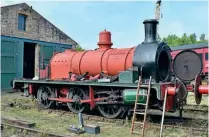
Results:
x,y
190,46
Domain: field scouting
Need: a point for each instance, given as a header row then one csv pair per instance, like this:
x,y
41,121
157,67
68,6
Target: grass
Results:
x,y
57,123
191,99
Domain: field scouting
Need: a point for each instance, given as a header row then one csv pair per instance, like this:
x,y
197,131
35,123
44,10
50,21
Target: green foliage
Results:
x,y
193,38
202,37
173,40
79,48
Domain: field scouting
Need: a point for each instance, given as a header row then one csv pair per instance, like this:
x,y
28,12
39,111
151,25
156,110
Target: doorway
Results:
x,y
29,60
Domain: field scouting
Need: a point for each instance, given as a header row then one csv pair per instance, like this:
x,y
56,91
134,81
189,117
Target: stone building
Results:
x,y
27,40
21,20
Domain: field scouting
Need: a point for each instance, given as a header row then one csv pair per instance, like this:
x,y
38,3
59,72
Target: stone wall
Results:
x,y
37,27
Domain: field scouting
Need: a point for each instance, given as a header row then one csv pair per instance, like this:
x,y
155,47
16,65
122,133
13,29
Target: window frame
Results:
x,y
206,55
201,55
22,18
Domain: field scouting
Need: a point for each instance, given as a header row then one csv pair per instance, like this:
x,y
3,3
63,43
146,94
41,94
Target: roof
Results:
x,y
190,46
25,4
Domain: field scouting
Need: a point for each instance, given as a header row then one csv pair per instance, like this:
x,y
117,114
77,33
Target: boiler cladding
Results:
x,y
153,56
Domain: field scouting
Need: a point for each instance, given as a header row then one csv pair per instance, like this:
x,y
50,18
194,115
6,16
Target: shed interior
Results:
x,y
29,60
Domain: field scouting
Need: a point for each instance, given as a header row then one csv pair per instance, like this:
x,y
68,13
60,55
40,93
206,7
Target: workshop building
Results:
x,y
27,41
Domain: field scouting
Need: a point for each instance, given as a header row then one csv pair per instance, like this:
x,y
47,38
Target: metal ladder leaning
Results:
x,y
146,106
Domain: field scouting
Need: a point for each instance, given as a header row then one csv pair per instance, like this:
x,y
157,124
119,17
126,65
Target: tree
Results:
x,y
193,38
173,40
79,48
185,40
202,37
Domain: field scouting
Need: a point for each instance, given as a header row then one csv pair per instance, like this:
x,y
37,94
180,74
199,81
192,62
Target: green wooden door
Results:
x,y
47,52
8,61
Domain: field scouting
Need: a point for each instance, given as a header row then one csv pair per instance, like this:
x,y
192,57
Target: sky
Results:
x,y
84,20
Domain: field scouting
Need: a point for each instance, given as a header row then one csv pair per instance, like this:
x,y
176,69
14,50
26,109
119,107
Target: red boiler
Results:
x,y
104,59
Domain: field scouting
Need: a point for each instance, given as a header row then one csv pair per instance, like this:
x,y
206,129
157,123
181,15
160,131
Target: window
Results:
x,y
206,56
22,22
200,54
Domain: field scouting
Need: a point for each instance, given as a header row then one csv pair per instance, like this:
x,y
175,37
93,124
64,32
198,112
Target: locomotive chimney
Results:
x,y
104,40
150,26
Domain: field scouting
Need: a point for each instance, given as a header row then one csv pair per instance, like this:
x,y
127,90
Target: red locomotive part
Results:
x,y
203,89
104,40
170,98
105,59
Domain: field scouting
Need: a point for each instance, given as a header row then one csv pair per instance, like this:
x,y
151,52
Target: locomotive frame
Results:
x,y
115,95
32,87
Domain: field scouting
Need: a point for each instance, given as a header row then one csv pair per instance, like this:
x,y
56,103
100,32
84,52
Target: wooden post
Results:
x,y
37,56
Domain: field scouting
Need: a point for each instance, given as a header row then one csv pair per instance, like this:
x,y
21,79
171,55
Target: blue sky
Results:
x,y
83,20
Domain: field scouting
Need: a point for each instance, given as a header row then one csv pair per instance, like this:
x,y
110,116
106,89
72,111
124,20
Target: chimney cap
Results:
x,y
150,21
105,32
150,26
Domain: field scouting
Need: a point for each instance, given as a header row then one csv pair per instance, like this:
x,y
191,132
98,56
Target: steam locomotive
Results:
x,y
107,78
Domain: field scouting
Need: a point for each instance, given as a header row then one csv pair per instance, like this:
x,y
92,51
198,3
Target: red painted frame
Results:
x,y
91,99
30,89
91,95
65,100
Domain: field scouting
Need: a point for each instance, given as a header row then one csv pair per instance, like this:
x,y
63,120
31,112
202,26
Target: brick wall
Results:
x,y
37,27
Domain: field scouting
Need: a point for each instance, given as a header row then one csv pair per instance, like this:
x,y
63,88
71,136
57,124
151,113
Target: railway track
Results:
x,y
199,125
203,108
96,117
153,124
32,130
169,120
182,124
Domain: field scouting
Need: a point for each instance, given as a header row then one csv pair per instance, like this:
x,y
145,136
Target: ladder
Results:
x,y
146,106
164,107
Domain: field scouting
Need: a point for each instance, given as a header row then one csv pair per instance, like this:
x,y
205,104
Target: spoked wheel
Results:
x,y
110,111
76,94
181,91
43,94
